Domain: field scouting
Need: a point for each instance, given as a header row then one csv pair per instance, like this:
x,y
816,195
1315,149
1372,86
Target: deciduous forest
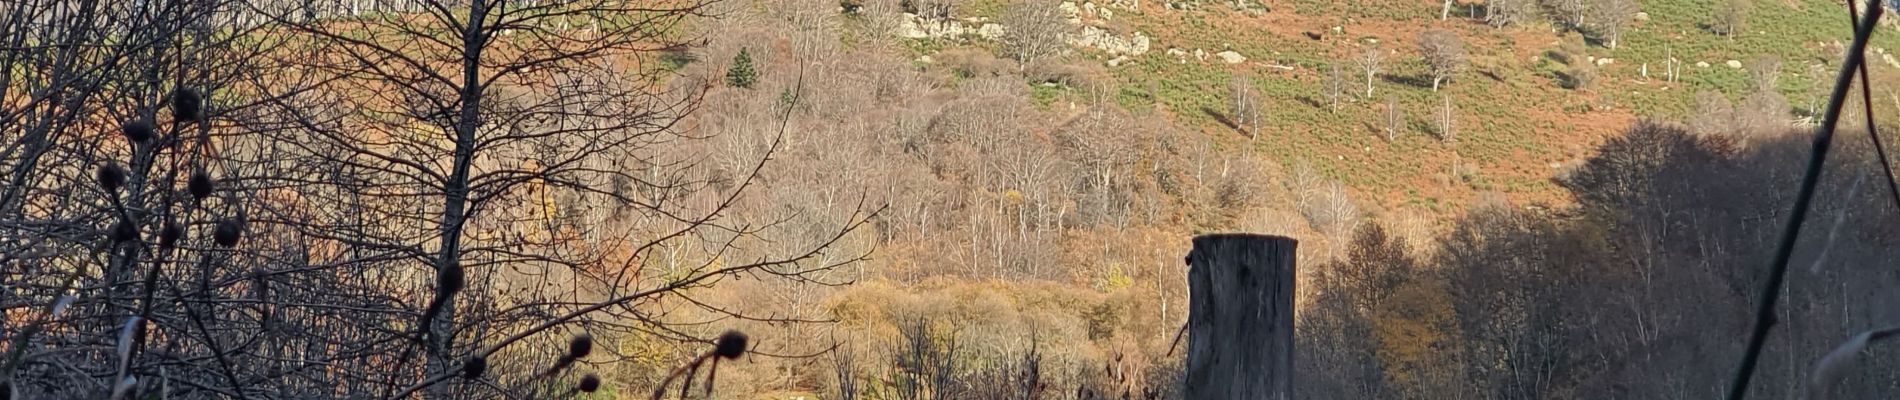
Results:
x,y
927,199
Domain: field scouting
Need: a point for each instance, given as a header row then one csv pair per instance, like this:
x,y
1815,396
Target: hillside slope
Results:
x,y
1065,184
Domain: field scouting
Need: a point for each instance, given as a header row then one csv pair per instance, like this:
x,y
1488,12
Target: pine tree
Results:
x,y
741,74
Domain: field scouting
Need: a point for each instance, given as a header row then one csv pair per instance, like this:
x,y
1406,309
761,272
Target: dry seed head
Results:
x,y
168,236
199,185
589,383
580,346
110,177
731,345
475,367
227,232
124,232
138,130
187,105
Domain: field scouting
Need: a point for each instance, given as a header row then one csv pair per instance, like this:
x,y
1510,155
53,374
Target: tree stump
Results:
x,y
1240,317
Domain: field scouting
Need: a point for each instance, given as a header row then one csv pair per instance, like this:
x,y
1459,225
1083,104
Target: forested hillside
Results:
x,y
921,199
1515,233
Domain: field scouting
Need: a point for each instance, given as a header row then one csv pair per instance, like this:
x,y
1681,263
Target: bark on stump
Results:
x,y
1240,317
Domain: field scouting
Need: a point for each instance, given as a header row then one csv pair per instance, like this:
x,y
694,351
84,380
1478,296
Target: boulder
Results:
x,y
1231,57
1098,38
1733,64
990,31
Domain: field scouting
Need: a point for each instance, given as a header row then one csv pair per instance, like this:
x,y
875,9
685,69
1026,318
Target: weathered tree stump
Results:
x,y
1240,317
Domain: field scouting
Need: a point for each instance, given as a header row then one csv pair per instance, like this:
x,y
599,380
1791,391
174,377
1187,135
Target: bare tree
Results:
x,y
123,224
845,373
1244,104
1372,62
1671,66
1335,85
1570,13
1446,119
1394,119
1102,146
1035,30
1714,114
355,215
1331,210
1731,17
1446,11
1763,112
1609,17
1764,71
1502,13
1444,54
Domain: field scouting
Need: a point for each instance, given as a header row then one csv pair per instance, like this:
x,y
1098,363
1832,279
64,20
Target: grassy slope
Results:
x,y
1517,130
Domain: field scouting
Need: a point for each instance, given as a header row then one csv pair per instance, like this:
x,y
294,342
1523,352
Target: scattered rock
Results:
x,y
924,59
1100,12
1200,55
1339,30
1069,9
1605,61
990,31
1231,57
924,27
1177,52
1117,61
1734,64
1093,37
1701,64
1313,35
1642,17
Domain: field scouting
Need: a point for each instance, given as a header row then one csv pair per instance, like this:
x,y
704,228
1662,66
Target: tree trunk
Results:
x,y
1240,317
1369,85
1435,81
1446,13
455,190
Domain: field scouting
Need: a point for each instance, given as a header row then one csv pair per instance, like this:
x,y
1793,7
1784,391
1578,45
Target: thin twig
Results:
x,y
1867,104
